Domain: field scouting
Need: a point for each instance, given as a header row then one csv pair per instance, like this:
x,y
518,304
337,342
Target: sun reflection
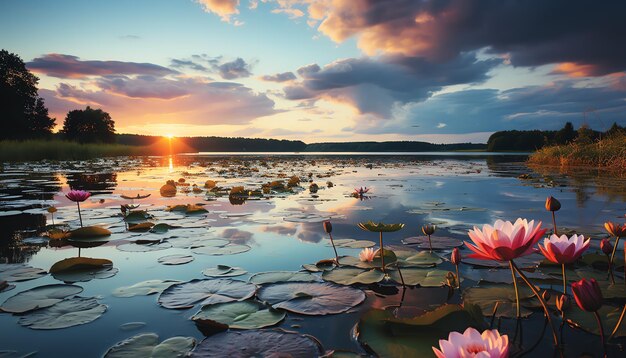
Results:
x,y
171,164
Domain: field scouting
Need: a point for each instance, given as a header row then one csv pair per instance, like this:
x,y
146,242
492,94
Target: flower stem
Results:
x,y
79,216
564,280
541,300
595,313
614,249
554,223
516,290
334,248
458,278
610,270
382,253
430,245
619,323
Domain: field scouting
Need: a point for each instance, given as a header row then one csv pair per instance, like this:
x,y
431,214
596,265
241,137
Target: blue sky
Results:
x,y
327,70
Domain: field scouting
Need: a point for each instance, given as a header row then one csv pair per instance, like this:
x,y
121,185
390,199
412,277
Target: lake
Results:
x,y
280,230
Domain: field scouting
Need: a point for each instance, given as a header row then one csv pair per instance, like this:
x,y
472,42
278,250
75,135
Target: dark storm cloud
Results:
x,y
279,77
67,66
375,85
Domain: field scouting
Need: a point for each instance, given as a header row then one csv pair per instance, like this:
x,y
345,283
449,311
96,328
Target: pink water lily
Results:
x,y
78,196
504,240
367,255
564,250
489,344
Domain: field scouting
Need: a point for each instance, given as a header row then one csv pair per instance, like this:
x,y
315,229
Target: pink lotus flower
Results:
x,y
361,191
505,241
456,256
367,255
561,250
587,294
489,344
78,196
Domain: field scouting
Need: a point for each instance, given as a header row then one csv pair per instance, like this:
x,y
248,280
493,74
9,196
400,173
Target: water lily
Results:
x,y
52,210
618,231
607,248
367,255
380,228
78,196
553,206
489,344
328,227
563,250
429,230
361,191
455,257
588,297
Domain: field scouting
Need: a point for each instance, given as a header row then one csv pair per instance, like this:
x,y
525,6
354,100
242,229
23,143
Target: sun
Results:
x,y
169,136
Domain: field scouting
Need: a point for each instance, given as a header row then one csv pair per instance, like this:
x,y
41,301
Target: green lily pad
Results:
x,y
587,321
141,227
230,249
388,336
224,271
420,276
390,258
258,343
282,276
438,242
79,264
175,259
20,272
487,296
137,216
311,298
147,345
238,315
352,244
144,288
90,234
160,228
188,294
85,274
379,227
39,297
67,313
352,275
502,275
422,258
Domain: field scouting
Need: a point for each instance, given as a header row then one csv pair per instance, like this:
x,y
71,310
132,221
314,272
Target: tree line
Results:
x,y
24,114
515,140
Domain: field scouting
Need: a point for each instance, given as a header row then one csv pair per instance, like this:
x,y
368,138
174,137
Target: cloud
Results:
x,y
279,77
375,85
67,66
145,86
225,9
180,63
545,107
234,69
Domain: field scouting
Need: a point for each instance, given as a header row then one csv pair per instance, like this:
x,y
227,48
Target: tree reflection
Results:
x,y
13,230
99,183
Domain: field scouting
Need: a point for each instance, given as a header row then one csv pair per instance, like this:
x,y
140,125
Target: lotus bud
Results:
x,y
606,247
456,256
546,295
428,229
328,227
52,210
614,229
587,294
123,209
562,303
451,279
552,204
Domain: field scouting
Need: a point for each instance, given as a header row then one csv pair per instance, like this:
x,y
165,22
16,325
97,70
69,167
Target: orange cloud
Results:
x,y
223,8
573,69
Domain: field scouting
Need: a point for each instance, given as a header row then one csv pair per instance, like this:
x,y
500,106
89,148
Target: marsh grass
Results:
x,y
15,151
608,153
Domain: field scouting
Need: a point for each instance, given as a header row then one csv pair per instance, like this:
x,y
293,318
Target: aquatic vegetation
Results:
x,y
553,205
328,227
380,228
429,230
311,298
148,344
561,250
78,196
248,314
367,255
455,258
588,297
489,344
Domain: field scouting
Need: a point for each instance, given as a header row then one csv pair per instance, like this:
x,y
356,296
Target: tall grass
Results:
x,y
608,153
15,151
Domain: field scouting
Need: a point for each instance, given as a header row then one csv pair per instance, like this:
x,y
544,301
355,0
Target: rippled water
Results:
x,y
282,230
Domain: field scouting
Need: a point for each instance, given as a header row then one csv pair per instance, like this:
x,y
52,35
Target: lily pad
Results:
x,y
89,233
175,259
67,313
487,296
19,272
238,315
85,274
389,336
587,321
79,264
353,275
137,216
230,249
39,297
258,343
312,298
160,228
141,227
353,244
147,345
438,242
224,271
188,294
420,276
422,258
144,288
282,276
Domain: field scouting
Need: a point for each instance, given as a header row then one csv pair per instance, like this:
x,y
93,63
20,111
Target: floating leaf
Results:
x,y
67,313
39,297
312,298
88,233
168,191
258,343
379,227
487,296
224,271
187,294
420,276
141,227
137,216
353,244
282,276
238,315
587,321
353,275
147,345
438,242
500,275
389,336
79,263
175,259
84,274
20,272
422,258
161,228
144,288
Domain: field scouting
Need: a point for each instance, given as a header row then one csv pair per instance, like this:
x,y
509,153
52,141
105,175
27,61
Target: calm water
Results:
x,y
284,231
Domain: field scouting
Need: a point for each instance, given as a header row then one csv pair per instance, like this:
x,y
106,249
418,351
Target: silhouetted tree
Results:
x,y
566,135
89,125
615,130
585,135
22,110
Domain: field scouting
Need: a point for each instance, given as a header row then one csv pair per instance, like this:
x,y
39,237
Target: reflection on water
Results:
x,y
281,230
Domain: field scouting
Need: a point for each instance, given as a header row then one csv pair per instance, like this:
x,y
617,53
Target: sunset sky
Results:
x,y
327,70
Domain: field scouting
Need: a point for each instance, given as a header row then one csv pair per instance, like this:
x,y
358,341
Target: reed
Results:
x,y
15,151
